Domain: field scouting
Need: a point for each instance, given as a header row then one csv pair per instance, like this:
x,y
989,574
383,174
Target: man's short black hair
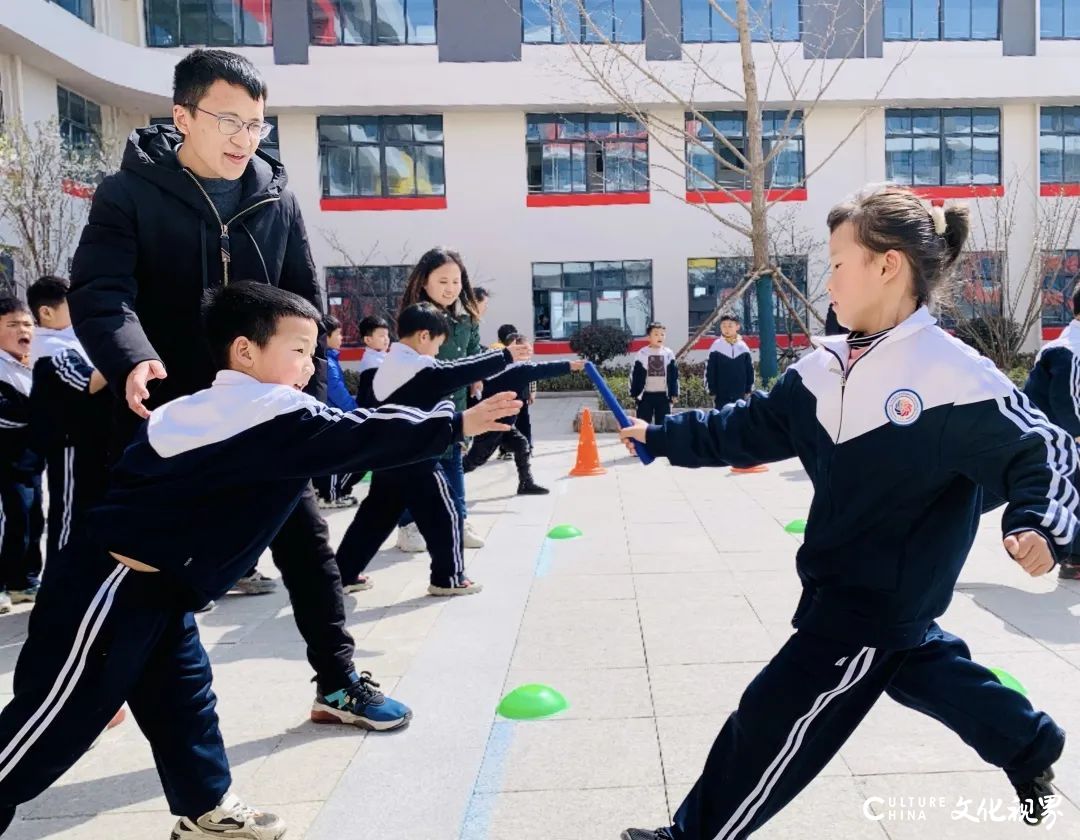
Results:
x,y
423,316
480,293
10,303
730,316
1076,301
199,69
505,331
248,309
655,325
330,323
46,291
370,323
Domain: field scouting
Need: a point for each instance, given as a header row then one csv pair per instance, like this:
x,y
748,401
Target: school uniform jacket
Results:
x,y
898,450
649,362
337,395
368,365
211,477
15,383
1054,382
729,372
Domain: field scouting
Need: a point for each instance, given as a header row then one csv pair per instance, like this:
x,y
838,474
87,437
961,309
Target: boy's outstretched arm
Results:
x,y
447,377
738,435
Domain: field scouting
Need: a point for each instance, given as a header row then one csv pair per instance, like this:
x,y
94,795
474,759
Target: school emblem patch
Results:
x,y
903,407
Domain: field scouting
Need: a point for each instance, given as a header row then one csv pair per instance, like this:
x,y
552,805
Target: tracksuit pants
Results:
x,y
797,713
100,635
22,523
653,407
455,475
484,446
330,488
429,496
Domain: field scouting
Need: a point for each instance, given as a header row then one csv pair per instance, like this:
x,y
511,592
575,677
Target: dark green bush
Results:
x,y
600,342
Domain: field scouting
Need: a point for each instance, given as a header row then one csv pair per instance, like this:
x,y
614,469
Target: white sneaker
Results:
x,y
410,539
5,603
255,584
231,819
470,538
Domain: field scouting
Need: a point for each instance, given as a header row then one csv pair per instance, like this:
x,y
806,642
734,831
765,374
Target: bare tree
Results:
x,y
363,268
745,174
45,187
996,300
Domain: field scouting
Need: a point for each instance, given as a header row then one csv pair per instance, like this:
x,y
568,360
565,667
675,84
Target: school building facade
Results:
x,y
406,124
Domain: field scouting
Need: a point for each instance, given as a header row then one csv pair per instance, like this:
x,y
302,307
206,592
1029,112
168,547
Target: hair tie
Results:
x,y
937,216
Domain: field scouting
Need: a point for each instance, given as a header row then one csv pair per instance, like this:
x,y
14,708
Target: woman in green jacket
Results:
x,y
440,278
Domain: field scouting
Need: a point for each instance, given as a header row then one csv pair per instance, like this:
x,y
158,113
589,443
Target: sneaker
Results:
x,y
470,538
231,819
1069,568
1035,797
645,834
338,503
255,584
361,704
466,587
205,608
24,596
531,488
410,539
5,602
361,584
506,456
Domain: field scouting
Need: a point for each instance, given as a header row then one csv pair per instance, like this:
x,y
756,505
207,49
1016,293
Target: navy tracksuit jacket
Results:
x,y
102,634
729,371
21,519
898,448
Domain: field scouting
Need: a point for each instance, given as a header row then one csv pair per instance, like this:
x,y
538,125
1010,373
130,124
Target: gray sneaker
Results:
x,y
5,602
255,584
231,820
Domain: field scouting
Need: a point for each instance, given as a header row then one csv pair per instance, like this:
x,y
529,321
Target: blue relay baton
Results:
x,y
643,454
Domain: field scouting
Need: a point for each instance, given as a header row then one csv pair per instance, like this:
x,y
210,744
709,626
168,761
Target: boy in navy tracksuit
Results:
x,y
1054,386
21,519
335,491
517,378
70,414
375,333
113,622
899,427
729,373
654,379
411,375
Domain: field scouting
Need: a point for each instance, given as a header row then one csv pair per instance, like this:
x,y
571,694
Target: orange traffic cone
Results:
x,y
757,468
588,456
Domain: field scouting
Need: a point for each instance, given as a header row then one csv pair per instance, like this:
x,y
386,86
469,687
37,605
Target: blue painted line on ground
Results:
x,y
477,823
543,559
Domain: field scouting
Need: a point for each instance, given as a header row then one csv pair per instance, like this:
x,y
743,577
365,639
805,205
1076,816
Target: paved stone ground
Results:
x,y
651,625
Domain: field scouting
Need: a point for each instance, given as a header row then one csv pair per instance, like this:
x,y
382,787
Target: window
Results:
x,y
713,20
710,162
80,120
589,21
7,272
82,9
1061,270
1059,145
941,20
568,296
978,289
213,23
943,147
713,279
381,156
336,22
354,292
578,153
1060,19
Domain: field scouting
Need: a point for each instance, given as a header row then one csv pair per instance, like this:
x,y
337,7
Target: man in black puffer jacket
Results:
x,y
193,207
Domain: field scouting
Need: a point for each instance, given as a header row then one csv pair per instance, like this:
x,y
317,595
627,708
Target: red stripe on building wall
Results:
x,y
990,191
730,197
1059,190
585,199
348,204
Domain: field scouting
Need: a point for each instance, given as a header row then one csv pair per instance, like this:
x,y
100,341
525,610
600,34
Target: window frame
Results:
x,y
776,119
941,24
942,135
89,20
540,119
790,264
1062,135
593,291
970,311
388,298
267,27
66,122
712,27
339,27
1064,13
584,33
1062,257
381,144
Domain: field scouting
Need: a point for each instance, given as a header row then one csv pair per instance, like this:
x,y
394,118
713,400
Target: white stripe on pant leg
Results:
x,y
856,670
69,496
447,497
73,666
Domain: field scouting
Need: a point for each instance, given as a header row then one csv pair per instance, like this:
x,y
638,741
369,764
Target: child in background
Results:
x,y
654,380
412,376
20,468
899,452
729,373
70,414
375,333
523,423
335,491
518,378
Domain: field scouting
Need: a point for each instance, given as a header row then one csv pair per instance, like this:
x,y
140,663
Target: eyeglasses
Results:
x,y
230,125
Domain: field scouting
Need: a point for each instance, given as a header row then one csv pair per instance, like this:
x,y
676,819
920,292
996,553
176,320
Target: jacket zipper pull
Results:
x,y
226,257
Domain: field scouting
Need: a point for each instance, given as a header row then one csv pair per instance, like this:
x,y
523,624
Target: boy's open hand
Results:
x,y
135,389
577,365
521,352
635,431
1030,550
483,416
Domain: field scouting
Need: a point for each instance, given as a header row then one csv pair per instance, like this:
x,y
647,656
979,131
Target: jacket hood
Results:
x,y
150,153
